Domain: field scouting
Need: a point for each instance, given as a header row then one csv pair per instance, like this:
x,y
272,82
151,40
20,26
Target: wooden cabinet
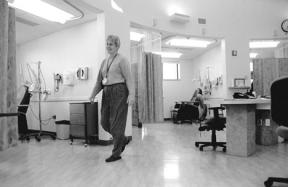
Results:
x,y
84,122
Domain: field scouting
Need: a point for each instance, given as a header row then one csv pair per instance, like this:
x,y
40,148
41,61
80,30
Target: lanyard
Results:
x,y
108,66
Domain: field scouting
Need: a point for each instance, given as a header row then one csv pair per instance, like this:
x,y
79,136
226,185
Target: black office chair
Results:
x,y
279,103
174,112
22,121
214,124
23,131
187,113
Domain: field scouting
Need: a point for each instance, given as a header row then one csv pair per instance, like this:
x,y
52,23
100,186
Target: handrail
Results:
x,y
8,114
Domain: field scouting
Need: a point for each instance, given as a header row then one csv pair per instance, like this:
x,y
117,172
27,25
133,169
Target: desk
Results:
x,y
241,124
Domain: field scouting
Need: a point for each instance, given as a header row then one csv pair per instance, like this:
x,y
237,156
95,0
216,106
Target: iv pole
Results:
x,y
41,133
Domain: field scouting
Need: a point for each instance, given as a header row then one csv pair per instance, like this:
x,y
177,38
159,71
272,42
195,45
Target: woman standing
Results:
x,y
115,79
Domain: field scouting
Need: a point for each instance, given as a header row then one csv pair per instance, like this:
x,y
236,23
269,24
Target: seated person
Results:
x,y
198,101
282,131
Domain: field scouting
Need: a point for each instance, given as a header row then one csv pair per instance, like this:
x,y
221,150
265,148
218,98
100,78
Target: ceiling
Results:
x,y
187,53
29,27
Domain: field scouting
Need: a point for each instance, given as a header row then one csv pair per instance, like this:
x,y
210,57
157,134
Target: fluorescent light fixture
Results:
x,y
135,36
263,44
116,7
168,54
191,42
253,55
42,9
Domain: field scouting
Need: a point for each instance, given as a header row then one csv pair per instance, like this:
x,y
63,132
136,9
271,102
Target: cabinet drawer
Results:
x,y
77,108
78,119
77,131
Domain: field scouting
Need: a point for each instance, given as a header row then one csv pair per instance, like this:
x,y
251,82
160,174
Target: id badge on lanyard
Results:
x,y
105,80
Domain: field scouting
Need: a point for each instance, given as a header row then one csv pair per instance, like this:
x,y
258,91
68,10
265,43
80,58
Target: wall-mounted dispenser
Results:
x,y
68,78
82,73
57,80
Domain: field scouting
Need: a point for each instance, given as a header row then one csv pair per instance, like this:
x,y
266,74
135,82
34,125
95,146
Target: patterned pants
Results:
x,y
114,114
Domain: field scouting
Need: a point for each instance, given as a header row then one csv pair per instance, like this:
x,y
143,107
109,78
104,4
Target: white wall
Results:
x,y
213,62
251,19
79,46
235,21
182,90
178,90
258,18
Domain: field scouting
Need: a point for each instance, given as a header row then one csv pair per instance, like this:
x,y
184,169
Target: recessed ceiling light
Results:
x,y
169,54
189,42
264,44
116,6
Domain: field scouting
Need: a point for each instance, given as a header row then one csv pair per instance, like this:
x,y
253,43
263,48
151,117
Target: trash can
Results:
x,y
62,129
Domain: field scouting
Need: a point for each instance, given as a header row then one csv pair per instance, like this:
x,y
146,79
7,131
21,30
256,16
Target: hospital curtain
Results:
x,y
265,71
150,89
8,103
148,76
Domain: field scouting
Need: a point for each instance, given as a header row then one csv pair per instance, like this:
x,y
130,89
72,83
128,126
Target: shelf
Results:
x,y
242,87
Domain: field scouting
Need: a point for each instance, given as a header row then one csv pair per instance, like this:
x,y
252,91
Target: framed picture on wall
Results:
x,y
239,82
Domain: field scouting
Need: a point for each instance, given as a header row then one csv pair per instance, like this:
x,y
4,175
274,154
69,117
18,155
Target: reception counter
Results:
x,y
241,124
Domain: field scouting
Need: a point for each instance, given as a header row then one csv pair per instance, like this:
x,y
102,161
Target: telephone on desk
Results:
x,y
239,95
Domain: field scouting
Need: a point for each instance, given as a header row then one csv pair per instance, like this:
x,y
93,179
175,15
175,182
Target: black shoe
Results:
x,y
126,143
112,158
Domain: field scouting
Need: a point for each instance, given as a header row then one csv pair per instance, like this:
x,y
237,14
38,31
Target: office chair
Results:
x,y
214,124
174,112
21,114
279,102
187,113
22,120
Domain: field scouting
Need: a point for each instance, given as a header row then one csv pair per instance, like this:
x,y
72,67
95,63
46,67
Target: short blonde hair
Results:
x,y
115,39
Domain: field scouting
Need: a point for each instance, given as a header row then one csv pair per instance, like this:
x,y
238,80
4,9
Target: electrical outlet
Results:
x,y
54,117
267,122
